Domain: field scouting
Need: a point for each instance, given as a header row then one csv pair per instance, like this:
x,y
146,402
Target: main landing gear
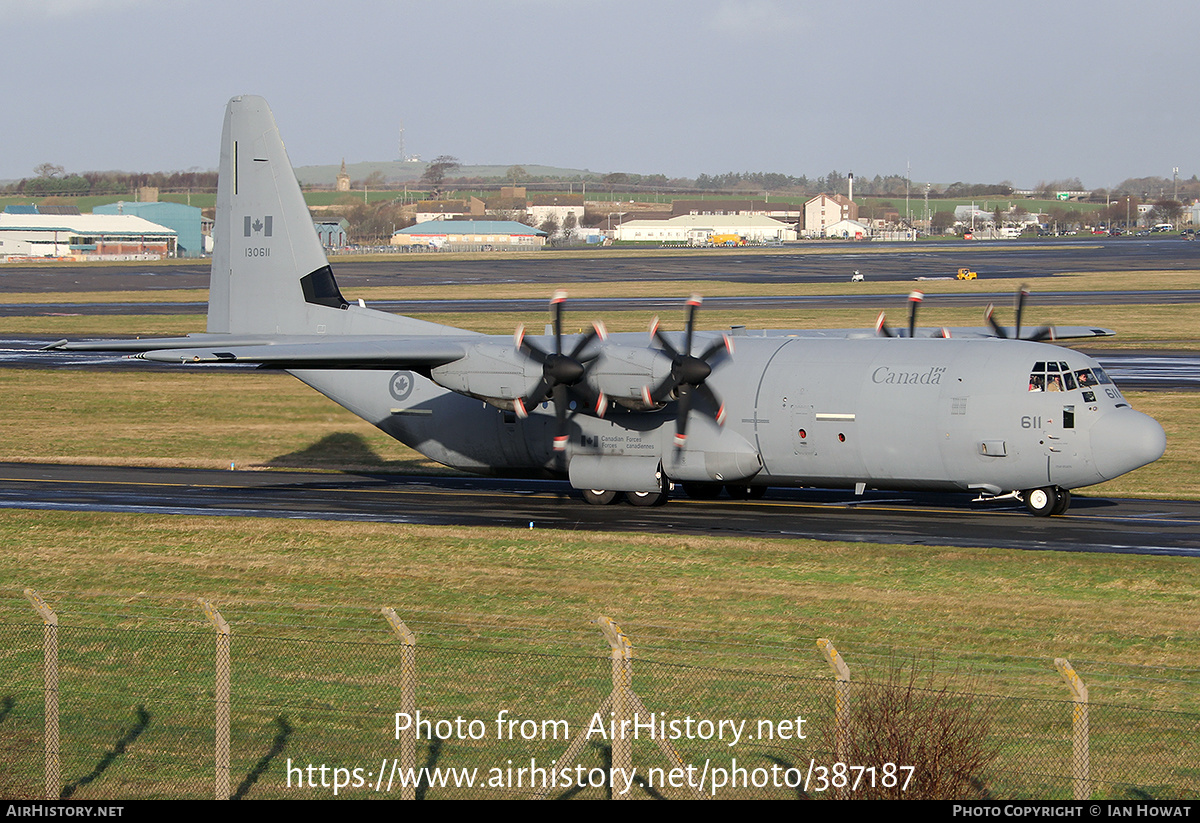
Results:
x,y
1046,501
599,497
696,491
603,497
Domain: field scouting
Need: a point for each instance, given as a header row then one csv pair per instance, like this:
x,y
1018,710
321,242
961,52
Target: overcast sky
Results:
x,y
979,92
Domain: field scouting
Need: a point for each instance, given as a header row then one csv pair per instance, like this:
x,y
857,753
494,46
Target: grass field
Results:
x,y
720,628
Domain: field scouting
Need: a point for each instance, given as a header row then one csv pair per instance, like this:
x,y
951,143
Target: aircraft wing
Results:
x,y
290,351
141,344
417,352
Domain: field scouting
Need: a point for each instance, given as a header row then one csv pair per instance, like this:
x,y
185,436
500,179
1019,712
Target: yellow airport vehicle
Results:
x,y
727,240
967,274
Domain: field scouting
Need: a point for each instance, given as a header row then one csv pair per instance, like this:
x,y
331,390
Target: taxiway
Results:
x,y
1158,527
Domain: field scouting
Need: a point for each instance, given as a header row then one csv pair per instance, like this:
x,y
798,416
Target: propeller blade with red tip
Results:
x,y
989,316
881,326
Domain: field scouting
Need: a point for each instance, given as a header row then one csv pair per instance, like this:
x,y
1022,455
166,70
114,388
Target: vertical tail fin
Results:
x,y
269,271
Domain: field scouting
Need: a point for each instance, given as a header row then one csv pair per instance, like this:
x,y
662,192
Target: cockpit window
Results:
x,y
1101,377
1058,376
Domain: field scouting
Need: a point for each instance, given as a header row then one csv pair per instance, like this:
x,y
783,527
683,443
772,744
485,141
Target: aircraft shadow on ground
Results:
x,y
346,451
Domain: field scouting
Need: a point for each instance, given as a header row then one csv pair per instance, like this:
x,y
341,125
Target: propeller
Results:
x,y
560,371
914,301
1041,333
688,374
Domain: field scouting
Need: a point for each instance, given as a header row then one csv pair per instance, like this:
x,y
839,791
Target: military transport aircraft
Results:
x,y
988,410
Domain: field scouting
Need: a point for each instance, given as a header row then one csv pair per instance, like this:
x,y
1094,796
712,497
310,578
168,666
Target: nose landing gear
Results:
x,y
1046,501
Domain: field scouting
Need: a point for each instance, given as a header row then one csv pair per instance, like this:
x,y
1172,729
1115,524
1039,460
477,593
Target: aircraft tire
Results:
x,y
703,491
740,491
1041,502
1064,501
646,498
599,497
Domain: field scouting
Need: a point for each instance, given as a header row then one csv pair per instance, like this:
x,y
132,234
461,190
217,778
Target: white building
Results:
x,y
824,210
697,228
542,207
848,230
966,215
84,237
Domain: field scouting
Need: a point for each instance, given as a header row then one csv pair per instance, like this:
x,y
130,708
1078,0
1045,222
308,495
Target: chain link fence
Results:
x,y
534,707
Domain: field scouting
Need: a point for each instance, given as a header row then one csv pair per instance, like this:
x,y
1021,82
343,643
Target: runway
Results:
x,y
1156,527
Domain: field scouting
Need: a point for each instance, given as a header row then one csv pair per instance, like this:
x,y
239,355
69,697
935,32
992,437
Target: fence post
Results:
x,y
408,699
1081,766
622,681
50,685
841,701
220,699
841,693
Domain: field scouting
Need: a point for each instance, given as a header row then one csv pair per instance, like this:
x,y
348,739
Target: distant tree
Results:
x,y
516,174
435,172
48,170
1169,210
1123,210
568,225
941,221
549,226
836,183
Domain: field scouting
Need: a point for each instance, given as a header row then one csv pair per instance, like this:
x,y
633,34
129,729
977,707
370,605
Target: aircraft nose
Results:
x,y
1124,439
